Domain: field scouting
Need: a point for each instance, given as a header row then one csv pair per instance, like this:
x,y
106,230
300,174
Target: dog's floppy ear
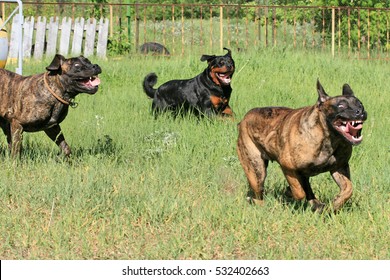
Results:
x,y
322,96
207,57
55,65
347,91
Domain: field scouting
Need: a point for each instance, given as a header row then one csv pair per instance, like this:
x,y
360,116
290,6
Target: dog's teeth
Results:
x,y
353,123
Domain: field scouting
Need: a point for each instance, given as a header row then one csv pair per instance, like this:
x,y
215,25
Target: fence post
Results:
x,y
266,26
2,10
368,34
128,15
136,41
333,29
221,26
112,21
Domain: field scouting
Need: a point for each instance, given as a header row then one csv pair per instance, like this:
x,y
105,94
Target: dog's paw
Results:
x,y
317,206
255,201
288,192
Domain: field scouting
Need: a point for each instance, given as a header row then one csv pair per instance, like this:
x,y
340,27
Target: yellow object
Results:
x,y
3,45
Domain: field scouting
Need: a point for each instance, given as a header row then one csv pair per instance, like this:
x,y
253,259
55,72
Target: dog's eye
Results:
x,y
342,105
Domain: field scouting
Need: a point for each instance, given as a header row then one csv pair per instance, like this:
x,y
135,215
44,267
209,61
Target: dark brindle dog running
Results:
x,y
41,102
206,94
305,142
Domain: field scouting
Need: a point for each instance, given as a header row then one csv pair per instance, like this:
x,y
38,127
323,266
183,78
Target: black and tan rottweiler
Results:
x,y
305,142
41,102
206,94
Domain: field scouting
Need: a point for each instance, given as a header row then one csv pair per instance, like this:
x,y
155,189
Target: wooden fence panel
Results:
x,y
39,45
66,27
90,32
101,48
28,31
13,43
40,37
360,31
52,33
78,36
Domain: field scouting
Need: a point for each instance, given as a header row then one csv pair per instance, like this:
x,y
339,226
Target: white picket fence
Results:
x,y
66,37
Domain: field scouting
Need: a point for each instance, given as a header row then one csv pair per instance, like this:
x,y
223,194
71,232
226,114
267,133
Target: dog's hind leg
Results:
x,y
343,178
255,167
159,105
6,127
55,134
16,133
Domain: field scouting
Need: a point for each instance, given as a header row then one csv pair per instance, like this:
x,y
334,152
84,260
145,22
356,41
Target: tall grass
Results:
x,y
140,188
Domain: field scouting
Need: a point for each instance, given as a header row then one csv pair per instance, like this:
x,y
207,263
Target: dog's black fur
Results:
x,y
206,94
154,48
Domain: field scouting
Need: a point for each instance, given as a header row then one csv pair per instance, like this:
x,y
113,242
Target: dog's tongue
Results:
x,y
93,82
353,130
224,78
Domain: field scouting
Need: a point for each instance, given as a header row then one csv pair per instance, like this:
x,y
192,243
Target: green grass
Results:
x,y
140,188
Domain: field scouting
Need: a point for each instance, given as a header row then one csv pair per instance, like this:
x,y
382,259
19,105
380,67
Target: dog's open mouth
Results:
x,y
91,82
351,130
224,78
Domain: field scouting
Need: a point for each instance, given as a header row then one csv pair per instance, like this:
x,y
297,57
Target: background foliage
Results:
x,y
144,188
368,28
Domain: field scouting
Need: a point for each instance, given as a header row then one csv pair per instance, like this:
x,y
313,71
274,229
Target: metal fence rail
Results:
x,y
355,32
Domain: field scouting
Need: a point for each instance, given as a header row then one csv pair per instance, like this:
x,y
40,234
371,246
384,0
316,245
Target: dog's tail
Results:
x,y
149,81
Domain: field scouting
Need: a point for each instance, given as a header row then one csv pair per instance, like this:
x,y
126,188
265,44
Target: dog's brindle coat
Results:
x,y
206,94
41,102
305,142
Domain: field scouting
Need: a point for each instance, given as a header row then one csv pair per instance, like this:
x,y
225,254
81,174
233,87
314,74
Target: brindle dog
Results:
x,y
305,142
41,102
206,94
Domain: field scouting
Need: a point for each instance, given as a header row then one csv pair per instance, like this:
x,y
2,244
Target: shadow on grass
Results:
x,y
35,152
103,147
280,196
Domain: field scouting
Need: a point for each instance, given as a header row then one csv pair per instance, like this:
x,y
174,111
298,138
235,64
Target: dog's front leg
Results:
x,y
55,134
299,187
208,112
228,112
342,177
15,134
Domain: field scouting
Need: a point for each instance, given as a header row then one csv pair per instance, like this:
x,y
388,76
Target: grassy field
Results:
x,y
140,188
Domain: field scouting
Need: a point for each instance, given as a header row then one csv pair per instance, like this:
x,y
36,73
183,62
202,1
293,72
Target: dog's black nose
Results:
x,y
359,111
363,115
97,68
